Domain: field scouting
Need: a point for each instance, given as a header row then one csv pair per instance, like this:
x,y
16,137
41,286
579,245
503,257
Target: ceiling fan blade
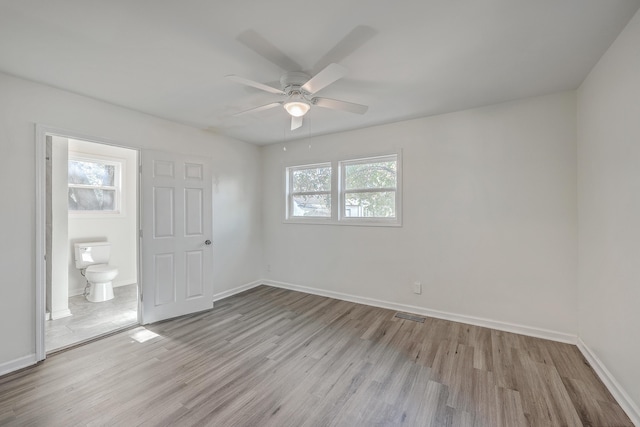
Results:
x,y
345,47
340,105
264,48
247,82
296,122
260,108
324,78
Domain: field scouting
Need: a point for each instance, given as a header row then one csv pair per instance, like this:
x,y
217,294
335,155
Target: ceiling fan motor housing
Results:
x,y
292,82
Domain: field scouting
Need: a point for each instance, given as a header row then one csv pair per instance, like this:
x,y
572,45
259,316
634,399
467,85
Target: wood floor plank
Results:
x,y
510,413
274,357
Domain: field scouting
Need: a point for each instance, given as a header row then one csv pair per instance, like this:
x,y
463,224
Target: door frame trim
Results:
x,y
41,133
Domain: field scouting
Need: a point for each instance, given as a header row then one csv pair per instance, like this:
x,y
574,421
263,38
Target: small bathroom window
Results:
x,y
94,184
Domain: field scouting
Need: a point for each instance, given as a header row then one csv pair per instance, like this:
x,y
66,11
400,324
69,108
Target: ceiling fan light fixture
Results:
x,y
297,108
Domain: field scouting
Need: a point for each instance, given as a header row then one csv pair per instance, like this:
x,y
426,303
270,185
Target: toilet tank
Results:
x,y
90,253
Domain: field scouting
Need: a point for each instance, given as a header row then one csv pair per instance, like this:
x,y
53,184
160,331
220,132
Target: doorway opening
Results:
x,y
90,240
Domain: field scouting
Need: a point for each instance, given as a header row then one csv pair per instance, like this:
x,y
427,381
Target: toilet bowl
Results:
x,y
92,260
99,277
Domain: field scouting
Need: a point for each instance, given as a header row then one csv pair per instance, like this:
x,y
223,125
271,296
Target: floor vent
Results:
x,y
411,317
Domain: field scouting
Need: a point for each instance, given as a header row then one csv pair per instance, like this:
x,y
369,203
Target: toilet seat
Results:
x,y
101,268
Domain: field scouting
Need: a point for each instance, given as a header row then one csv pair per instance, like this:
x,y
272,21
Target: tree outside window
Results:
x,y
310,191
370,188
93,185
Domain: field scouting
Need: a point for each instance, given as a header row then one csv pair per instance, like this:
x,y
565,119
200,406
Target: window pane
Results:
x,y
313,205
371,175
312,179
370,205
91,199
91,173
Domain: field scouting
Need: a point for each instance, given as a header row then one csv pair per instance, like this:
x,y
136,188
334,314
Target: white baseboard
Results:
x,y
123,282
59,314
236,290
75,292
14,365
477,321
621,396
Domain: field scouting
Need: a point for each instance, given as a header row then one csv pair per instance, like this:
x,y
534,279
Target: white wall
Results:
x,y
236,166
120,230
490,223
609,210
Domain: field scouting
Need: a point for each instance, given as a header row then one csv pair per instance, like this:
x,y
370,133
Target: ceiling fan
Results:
x,y
298,90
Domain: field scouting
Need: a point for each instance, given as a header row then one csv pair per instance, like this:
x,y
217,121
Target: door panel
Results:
x,y
193,210
163,207
177,264
165,279
194,261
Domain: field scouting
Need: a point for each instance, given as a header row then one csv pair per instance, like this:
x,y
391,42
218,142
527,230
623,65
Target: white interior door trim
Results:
x,y
40,263
41,133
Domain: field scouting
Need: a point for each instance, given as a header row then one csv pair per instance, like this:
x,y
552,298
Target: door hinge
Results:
x,y
141,297
139,168
140,233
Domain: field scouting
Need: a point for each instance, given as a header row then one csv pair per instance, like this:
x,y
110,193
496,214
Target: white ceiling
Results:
x,y
406,59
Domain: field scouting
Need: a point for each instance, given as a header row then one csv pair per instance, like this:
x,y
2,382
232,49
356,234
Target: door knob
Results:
x,y
207,242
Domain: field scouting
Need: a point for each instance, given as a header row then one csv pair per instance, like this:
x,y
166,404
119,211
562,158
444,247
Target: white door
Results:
x,y
177,254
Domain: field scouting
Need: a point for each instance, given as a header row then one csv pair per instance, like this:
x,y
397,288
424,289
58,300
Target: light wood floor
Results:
x,y
272,357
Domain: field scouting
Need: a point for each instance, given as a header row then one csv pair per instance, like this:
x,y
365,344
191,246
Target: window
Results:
x,y
369,188
94,185
368,192
309,192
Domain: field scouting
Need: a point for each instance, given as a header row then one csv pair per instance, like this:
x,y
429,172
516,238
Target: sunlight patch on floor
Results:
x,y
143,335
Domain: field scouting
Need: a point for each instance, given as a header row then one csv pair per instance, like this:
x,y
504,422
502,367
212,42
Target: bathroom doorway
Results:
x,y
91,203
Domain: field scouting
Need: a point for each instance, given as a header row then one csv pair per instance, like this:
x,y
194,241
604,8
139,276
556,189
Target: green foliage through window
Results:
x,y
370,188
371,175
310,193
312,179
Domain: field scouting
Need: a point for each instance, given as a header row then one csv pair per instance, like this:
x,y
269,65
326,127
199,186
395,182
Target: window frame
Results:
x,y
337,192
289,171
342,217
120,165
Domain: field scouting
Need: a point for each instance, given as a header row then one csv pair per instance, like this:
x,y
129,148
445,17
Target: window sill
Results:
x,y
349,222
96,215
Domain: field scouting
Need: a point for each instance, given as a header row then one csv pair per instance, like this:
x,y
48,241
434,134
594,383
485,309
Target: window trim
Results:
x,y
120,167
337,193
290,194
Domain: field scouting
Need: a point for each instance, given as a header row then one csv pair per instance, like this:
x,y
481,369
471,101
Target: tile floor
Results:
x,y
90,319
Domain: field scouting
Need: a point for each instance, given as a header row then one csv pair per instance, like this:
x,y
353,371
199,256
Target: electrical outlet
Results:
x,y
268,268
417,287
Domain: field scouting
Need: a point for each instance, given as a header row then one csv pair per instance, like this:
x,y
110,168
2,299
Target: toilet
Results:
x,y
92,259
